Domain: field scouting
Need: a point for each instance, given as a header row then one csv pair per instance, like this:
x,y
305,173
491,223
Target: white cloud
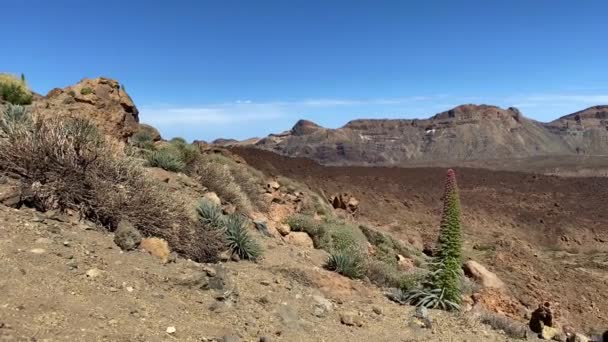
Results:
x,y
248,111
242,111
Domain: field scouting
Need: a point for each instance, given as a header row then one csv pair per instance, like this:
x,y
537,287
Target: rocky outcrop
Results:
x,y
102,100
305,127
466,132
344,201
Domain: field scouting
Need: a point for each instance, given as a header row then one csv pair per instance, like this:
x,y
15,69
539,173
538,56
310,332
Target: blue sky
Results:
x,y
209,69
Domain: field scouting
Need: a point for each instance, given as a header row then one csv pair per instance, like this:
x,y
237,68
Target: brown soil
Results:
x,y
50,293
545,236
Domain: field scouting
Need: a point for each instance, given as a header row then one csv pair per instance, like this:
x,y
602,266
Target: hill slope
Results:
x,y
467,132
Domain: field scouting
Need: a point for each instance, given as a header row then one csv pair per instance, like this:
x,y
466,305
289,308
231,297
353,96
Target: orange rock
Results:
x,y
157,247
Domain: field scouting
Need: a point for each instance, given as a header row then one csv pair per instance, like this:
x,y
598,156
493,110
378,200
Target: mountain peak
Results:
x,y
305,127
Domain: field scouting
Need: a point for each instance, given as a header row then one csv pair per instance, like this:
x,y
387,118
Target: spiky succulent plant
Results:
x,y
238,239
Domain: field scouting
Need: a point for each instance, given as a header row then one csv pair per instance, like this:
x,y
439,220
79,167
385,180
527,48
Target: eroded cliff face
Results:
x,y
467,132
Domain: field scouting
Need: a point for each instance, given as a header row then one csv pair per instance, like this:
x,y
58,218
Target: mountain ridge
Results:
x,y
466,132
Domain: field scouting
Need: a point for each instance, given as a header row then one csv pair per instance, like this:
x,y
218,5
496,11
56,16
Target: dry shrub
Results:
x,y
497,321
65,163
236,183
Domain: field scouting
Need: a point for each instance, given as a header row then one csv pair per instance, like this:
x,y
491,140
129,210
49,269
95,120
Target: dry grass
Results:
x,y
67,164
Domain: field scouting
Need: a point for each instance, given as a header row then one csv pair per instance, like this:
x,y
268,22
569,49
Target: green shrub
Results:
x,y
346,263
238,239
188,154
166,159
316,230
143,139
14,90
178,140
86,91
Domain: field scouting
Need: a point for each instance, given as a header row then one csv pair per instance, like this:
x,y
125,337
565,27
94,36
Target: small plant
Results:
x,y
347,263
429,298
210,215
86,91
238,239
166,159
14,90
13,118
72,93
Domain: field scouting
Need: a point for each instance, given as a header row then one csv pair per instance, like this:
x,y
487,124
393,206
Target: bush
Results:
x,y
346,263
238,239
188,154
236,183
14,90
143,139
497,321
166,159
86,91
178,140
13,118
387,274
65,164
316,230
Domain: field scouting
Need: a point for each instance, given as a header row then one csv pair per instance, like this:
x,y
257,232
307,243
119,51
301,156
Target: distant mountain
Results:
x,y
466,132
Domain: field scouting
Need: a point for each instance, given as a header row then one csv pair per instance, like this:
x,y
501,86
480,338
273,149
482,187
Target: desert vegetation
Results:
x,y
347,245
442,288
15,90
65,164
233,228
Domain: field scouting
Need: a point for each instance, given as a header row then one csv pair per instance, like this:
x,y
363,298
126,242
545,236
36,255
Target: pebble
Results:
x,y
93,273
171,330
38,250
350,319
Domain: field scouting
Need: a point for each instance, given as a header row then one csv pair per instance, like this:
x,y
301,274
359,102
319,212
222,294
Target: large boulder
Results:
x,y
482,275
102,100
541,317
149,130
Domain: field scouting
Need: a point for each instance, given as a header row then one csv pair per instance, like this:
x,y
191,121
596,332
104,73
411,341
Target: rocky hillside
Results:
x,y
101,100
464,133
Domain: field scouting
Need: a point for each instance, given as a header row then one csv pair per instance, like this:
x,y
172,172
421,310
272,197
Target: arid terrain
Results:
x,y
108,232
465,133
544,235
